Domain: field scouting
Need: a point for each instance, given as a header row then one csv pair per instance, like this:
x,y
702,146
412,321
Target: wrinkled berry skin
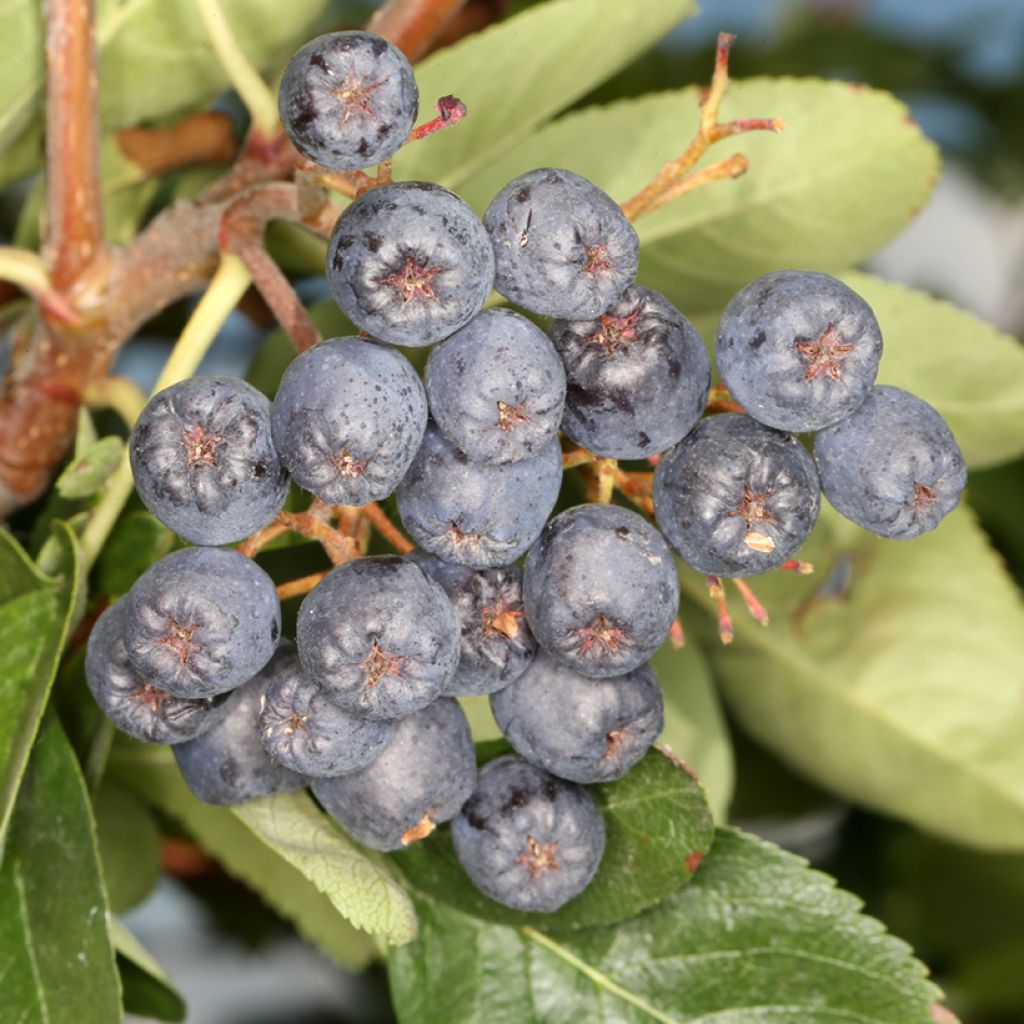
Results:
x,y
600,589
301,729
736,498
562,247
348,100
798,350
136,706
201,621
420,779
497,644
347,420
379,637
496,388
227,764
584,730
475,513
203,460
410,263
892,467
638,376
527,839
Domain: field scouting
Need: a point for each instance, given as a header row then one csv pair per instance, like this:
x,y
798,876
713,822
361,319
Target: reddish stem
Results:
x,y
754,606
387,529
717,592
412,25
74,200
451,110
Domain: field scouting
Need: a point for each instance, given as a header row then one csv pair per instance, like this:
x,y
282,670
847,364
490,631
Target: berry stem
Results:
x,y
672,180
74,198
720,400
451,110
220,298
28,271
754,606
247,81
676,636
605,472
207,137
337,546
303,585
577,457
251,546
412,25
377,518
803,568
717,592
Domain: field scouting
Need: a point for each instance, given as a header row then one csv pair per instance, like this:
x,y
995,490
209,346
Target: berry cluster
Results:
x,y
362,707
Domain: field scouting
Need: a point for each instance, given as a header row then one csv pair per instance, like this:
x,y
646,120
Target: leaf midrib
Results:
x,y
19,885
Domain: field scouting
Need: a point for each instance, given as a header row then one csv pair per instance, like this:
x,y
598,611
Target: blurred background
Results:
x,y
959,65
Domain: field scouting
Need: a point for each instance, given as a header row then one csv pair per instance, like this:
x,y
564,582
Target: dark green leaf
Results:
x,y
87,473
695,728
129,845
658,829
288,851
138,540
516,75
146,990
757,936
56,960
891,676
983,400
33,630
871,170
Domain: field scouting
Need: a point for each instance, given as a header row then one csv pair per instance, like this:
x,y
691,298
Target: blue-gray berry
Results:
x,y
204,462
348,100
410,263
736,498
798,350
638,376
496,387
228,764
135,705
600,589
476,513
302,729
348,418
892,467
562,247
497,644
201,621
527,839
420,779
379,637
581,729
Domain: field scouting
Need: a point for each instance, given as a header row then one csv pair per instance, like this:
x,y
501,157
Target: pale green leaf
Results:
x,y
695,728
56,959
970,371
21,70
33,630
891,676
516,75
756,937
129,844
847,173
147,991
286,849
86,474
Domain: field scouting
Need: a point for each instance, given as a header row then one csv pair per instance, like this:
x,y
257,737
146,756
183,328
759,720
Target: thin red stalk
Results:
x,y
74,200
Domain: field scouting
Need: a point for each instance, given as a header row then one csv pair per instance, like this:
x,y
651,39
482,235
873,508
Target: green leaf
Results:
x,y
970,371
86,474
286,849
56,959
847,173
515,76
33,630
146,990
891,676
695,728
138,540
658,830
756,936
129,845
21,70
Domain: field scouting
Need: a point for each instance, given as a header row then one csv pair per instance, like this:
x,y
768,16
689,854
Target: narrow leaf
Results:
x,y
847,173
970,371
147,990
891,676
286,849
33,630
56,960
129,845
658,829
756,936
515,76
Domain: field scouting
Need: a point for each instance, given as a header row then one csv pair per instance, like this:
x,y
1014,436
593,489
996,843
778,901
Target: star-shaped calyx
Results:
x,y
539,858
413,281
179,639
355,95
200,446
615,331
378,664
824,355
603,633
